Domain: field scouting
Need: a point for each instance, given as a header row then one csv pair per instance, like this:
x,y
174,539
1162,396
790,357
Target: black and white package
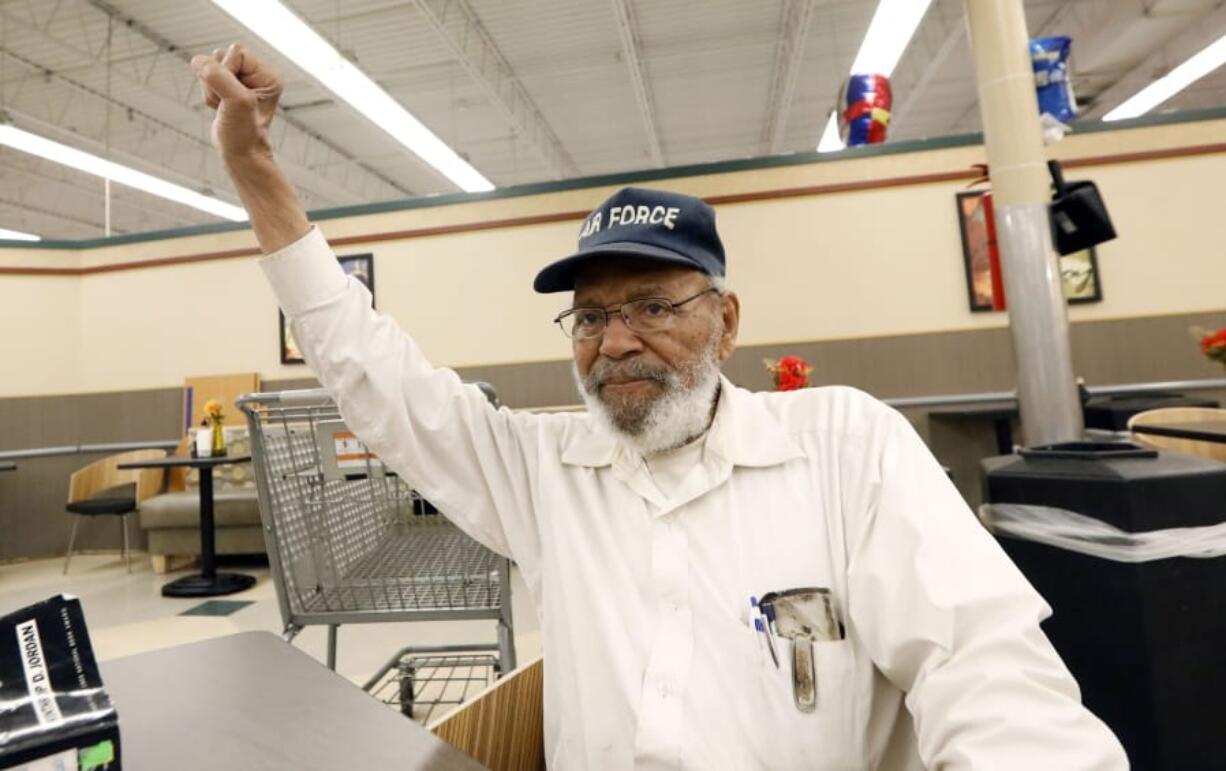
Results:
x,y
54,713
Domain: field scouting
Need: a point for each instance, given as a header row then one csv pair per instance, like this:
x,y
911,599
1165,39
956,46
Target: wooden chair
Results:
x,y
1166,416
92,492
503,727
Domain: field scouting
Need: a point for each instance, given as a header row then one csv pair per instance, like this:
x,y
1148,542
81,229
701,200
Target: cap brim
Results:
x,y
560,276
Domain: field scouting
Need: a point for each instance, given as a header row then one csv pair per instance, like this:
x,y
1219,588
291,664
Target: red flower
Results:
x,y
1213,345
791,373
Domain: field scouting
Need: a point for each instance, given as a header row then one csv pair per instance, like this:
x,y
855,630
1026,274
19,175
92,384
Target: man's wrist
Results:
x,y
277,218
249,163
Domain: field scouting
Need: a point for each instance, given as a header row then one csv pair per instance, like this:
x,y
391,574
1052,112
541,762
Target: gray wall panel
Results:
x,y
33,521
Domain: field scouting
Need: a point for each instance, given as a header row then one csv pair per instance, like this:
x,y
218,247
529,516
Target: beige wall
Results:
x,y
40,344
862,264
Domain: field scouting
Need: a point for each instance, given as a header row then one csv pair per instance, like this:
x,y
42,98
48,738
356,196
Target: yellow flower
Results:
x,y
212,408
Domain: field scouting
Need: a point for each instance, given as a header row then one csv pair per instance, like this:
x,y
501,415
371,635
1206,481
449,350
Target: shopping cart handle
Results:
x,y
296,398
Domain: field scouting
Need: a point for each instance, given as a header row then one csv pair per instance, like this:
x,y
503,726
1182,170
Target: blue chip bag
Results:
x,y
1049,56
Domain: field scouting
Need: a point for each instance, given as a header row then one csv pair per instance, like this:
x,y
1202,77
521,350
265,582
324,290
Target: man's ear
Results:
x,y
731,310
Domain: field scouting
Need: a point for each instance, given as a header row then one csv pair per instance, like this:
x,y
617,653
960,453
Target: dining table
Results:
x,y
1197,430
208,582
252,701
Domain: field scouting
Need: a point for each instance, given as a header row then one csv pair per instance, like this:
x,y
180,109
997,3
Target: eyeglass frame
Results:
x,y
621,311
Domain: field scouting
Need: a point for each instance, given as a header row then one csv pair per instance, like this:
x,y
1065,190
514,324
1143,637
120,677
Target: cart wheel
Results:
x,y
406,692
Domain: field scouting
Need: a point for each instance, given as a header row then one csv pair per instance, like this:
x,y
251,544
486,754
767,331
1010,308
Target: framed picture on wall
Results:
x,y
1078,271
976,249
360,267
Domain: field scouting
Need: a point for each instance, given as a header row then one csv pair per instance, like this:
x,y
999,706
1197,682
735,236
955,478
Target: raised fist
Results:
x,y
244,91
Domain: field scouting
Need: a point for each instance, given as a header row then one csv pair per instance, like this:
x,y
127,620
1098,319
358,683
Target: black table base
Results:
x,y
202,586
208,582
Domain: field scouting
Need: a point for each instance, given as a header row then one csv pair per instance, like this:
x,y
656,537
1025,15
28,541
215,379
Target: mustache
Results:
x,y
605,370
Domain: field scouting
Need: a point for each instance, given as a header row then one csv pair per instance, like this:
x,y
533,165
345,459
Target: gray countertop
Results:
x,y
252,701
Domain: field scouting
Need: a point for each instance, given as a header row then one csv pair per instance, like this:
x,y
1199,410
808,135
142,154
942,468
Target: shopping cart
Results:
x,y
348,542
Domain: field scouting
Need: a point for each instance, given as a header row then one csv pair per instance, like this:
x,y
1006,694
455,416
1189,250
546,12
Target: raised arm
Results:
x,y
443,437
245,91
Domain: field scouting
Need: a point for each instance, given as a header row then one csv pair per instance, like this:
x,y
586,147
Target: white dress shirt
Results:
x,y
643,589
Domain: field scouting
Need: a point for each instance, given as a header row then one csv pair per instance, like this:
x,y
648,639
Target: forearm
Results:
x,y
277,217
441,436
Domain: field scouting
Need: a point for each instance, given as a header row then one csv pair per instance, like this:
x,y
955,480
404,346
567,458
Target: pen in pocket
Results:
x,y
760,625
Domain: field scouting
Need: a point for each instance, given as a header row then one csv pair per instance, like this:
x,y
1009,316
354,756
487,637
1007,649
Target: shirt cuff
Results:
x,y
305,274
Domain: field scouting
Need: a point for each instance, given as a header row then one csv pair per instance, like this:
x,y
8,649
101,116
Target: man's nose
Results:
x,y
618,339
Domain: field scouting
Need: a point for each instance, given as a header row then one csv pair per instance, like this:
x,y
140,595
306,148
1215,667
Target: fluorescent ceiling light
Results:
x,y
33,144
831,141
17,235
1195,68
889,33
291,36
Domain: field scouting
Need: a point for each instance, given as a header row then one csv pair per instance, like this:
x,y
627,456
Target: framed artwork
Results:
x,y
976,246
1078,271
360,267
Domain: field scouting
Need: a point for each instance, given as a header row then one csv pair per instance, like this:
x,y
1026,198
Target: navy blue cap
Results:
x,y
649,224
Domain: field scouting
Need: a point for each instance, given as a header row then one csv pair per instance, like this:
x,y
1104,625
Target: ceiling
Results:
x,y
527,91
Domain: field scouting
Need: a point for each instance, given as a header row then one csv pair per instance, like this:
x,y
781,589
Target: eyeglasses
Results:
x,y
646,315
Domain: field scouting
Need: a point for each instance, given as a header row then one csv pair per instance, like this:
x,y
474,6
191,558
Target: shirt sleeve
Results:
x,y
444,438
948,619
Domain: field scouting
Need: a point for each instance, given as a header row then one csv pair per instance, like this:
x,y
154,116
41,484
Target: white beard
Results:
x,y
681,414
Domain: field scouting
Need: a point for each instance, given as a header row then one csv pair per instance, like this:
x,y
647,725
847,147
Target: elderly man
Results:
x,y
644,528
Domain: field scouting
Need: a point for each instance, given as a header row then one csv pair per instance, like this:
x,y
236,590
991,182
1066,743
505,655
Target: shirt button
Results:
x,y
665,691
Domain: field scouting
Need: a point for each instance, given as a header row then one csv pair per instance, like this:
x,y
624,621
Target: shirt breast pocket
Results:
x,y
829,737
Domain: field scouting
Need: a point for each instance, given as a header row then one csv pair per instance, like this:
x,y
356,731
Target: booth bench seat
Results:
x,y
171,522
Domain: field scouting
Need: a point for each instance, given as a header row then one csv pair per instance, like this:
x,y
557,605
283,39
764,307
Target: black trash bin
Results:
x,y
1147,640
1111,413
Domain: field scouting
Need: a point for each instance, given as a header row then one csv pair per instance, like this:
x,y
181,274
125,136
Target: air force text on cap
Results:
x,y
630,214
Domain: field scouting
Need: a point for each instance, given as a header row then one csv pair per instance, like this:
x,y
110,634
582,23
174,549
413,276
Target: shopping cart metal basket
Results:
x,y
348,542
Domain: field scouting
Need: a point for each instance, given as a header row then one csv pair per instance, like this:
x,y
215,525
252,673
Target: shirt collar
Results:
x,y
744,433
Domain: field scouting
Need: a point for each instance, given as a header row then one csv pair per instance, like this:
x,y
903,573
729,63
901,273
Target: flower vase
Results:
x,y
219,439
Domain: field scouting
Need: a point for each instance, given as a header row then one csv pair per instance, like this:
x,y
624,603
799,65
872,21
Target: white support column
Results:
x,y
1038,317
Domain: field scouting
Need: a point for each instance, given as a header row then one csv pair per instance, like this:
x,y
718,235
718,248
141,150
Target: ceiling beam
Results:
x,y
793,33
374,185
627,31
70,105
968,109
81,181
457,25
953,40
1115,36
38,221
73,197
1200,31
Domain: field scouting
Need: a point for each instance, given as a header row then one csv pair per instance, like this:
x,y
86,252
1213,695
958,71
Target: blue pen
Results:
x,y
769,611
759,624
755,618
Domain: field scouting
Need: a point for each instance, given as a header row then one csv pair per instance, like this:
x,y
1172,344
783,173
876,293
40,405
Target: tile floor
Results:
x,y
127,614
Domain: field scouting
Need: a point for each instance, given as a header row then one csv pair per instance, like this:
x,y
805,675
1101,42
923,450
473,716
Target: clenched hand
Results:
x,y
244,91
